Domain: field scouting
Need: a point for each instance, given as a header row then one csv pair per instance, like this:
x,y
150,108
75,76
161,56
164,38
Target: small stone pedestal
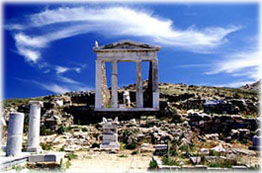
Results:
x,y
257,140
15,134
160,149
110,136
34,126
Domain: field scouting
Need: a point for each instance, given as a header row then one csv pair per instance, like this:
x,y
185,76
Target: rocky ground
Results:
x,y
211,123
123,161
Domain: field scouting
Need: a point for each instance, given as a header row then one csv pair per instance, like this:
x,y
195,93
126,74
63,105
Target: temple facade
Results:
x,y
127,51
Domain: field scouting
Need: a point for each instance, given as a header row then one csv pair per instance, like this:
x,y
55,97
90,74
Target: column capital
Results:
x,y
31,102
17,113
155,60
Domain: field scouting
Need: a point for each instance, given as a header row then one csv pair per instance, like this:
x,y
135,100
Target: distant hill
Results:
x,y
253,86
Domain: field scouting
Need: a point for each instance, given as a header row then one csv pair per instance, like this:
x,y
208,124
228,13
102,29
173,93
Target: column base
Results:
x,y
156,100
111,145
34,149
2,148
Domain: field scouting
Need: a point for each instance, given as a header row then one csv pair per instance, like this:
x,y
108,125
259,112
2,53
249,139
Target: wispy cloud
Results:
x,y
243,63
60,89
59,85
192,66
61,69
54,88
29,54
68,80
133,22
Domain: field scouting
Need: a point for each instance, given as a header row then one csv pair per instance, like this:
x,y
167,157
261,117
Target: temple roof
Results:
x,y
126,45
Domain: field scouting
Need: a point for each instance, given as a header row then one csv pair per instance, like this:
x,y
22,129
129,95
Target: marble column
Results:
x,y
139,85
149,91
98,94
2,124
34,126
114,85
15,134
155,88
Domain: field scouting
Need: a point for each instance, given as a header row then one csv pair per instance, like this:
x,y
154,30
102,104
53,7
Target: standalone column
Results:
x,y
2,124
114,85
139,85
98,97
34,126
155,79
15,134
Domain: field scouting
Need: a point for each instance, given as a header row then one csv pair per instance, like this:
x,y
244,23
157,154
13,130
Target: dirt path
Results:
x,y
104,162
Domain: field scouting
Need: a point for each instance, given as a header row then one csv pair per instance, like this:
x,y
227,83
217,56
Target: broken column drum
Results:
x,y
110,136
15,134
125,51
34,126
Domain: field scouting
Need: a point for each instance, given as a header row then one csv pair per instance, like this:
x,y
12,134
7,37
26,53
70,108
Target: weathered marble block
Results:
x,y
110,136
49,157
160,149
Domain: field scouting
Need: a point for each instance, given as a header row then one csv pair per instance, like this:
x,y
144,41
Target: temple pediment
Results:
x,y
126,45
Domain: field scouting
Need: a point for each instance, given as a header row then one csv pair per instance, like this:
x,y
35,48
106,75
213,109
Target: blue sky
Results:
x,y
48,47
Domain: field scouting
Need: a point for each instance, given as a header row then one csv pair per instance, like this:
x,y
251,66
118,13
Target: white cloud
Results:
x,y
191,66
14,27
60,69
27,47
244,63
29,54
27,41
132,22
107,21
78,69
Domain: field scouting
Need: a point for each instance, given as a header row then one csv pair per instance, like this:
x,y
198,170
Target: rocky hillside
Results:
x,y
253,86
195,120
175,99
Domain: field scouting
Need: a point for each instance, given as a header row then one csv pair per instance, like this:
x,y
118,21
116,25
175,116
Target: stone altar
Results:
x,y
110,136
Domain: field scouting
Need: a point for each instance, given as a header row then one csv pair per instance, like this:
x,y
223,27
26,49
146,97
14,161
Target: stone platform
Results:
x,y
6,162
125,109
47,157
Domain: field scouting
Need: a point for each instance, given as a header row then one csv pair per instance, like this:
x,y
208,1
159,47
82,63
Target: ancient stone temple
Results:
x,y
132,52
110,136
